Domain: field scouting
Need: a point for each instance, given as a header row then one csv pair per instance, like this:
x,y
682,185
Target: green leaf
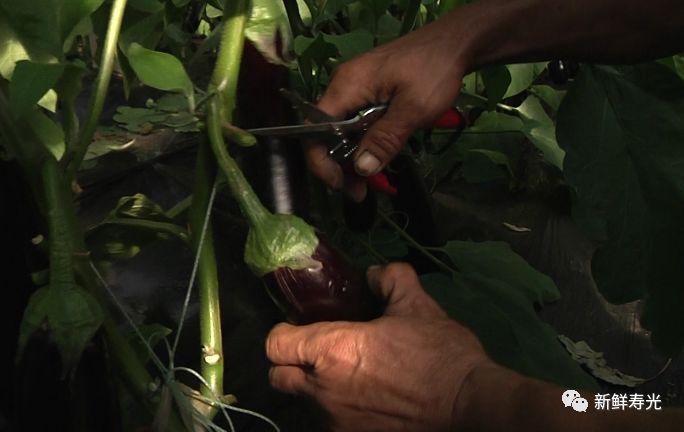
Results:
x,y
150,6
492,131
30,82
503,317
548,95
153,334
146,31
597,365
40,27
139,120
480,165
171,102
134,222
496,80
498,261
494,121
330,9
48,132
159,70
72,316
522,77
541,130
387,28
312,53
351,44
623,131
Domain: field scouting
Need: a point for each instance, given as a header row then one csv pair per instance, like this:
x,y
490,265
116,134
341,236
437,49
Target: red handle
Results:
x,y
451,119
380,183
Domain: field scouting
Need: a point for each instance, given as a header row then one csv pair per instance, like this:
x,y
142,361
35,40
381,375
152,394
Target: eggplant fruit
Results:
x,y
331,291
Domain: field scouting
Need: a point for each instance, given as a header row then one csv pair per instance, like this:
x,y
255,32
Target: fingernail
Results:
x,y
373,268
367,164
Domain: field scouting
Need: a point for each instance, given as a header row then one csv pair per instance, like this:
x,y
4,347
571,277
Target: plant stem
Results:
x,y
227,68
212,364
97,99
503,107
61,218
410,16
439,263
220,109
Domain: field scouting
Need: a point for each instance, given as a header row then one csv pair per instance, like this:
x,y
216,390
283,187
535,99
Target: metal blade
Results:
x,y
303,130
310,111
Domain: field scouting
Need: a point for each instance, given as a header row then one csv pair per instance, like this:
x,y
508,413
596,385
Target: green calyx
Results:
x,y
280,241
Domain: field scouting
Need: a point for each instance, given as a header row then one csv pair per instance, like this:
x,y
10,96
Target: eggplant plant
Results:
x,y
528,135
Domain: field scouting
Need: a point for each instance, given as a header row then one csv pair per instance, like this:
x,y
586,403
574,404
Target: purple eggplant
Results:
x,y
331,291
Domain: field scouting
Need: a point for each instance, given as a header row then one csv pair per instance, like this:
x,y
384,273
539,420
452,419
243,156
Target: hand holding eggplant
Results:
x,y
402,371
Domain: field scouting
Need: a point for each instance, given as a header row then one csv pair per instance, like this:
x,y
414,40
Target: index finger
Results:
x,y
300,345
347,92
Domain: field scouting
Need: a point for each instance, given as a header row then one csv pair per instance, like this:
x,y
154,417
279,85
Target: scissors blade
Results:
x,y
302,130
310,111
359,123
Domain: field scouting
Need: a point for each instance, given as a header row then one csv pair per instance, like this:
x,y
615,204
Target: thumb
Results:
x,y
399,285
385,138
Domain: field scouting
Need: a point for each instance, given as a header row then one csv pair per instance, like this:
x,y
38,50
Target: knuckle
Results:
x,y
272,348
398,271
387,140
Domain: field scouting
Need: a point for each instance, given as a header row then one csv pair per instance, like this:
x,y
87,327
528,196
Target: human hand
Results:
x,y
402,371
419,75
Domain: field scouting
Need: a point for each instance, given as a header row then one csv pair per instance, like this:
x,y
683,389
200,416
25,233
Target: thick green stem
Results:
x,y
227,68
210,311
224,83
251,206
220,109
68,258
97,99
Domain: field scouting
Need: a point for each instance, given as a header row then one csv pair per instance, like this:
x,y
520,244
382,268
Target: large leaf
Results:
x,y
351,44
498,261
160,70
623,131
48,132
30,83
494,296
522,77
540,130
42,26
496,80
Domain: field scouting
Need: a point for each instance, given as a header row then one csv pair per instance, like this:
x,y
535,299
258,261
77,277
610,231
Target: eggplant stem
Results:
x,y
221,106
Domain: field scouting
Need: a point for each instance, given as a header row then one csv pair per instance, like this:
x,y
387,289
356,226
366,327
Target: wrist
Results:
x,y
486,32
485,392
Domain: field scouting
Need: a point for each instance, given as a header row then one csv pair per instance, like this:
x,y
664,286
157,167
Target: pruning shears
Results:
x,y
343,136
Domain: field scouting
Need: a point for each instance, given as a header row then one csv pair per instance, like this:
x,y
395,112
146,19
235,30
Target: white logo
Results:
x,y
580,404
569,396
572,398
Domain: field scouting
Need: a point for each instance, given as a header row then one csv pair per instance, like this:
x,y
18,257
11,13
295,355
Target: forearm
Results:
x,y
494,399
606,31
